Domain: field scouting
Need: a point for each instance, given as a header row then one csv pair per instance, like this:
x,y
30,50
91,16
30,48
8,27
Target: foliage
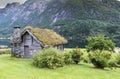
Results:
x,y
118,59
100,59
99,43
113,64
68,58
86,59
76,55
78,20
85,28
49,58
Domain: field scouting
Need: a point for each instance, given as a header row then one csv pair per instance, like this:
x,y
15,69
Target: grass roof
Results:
x,y
47,36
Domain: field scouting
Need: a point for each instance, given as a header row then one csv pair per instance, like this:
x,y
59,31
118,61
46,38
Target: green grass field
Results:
x,y
16,68
5,51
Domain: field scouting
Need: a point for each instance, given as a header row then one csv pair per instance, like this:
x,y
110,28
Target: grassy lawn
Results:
x,y
15,68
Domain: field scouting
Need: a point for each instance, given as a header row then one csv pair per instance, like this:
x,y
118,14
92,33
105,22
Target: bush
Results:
x,y
49,58
76,55
115,61
118,59
100,59
99,62
113,64
68,58
86,59
99,43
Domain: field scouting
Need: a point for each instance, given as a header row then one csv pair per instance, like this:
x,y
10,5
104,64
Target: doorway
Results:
x,y
26,51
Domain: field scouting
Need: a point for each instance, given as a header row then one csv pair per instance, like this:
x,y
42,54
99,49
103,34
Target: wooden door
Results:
x,y
26,51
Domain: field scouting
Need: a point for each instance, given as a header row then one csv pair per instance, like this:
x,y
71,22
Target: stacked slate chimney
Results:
x,y
17,35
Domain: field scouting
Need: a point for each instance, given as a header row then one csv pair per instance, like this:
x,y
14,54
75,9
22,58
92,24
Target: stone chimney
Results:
x,y
17,34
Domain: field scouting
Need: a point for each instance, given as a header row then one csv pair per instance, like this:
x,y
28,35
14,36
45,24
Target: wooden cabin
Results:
x,y
28,41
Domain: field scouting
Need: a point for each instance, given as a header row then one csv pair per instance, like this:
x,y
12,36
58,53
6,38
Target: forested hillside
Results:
x,y
74,19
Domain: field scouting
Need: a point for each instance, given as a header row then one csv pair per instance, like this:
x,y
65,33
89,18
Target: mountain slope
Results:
x,y
74,19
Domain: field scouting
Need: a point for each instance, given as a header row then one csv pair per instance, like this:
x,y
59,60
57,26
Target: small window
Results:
x,y
15,44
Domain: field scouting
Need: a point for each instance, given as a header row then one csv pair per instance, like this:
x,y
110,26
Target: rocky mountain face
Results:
x,y
36,12
65,16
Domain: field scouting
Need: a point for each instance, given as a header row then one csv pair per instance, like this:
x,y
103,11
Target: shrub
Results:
x,y
49,58
68,58
100,59
118,59
113,64
86,59
100,43
76,55
99,62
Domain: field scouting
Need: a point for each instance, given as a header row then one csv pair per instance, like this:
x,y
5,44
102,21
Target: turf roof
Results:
x,y
47,36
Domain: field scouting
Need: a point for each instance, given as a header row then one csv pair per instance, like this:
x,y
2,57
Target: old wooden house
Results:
x,y
28,41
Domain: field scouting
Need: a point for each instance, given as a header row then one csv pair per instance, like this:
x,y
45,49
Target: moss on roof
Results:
x,y
47,36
